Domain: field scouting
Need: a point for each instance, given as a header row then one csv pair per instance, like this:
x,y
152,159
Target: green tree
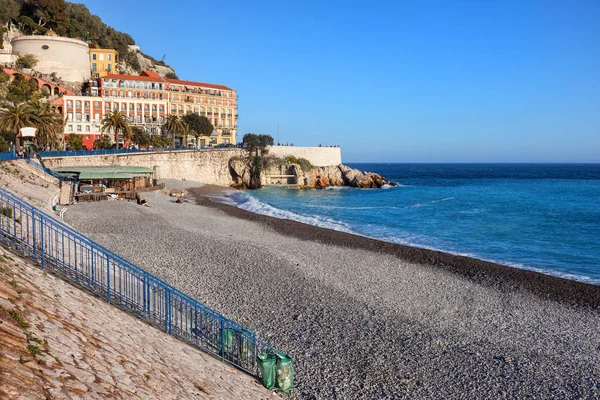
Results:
x,y
173,126
3,145
9,10
116,122
50,124
27,61
264,141
21,90
171,75
139,137
103,142
75,141
16,116
199,125
250,143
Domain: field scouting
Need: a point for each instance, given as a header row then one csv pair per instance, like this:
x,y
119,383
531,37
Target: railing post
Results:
x,y
108,278
34,235
43,244
166,310
222,340
93,280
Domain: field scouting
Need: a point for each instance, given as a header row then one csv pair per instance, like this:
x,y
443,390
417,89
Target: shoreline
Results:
x,y
359,320
504,277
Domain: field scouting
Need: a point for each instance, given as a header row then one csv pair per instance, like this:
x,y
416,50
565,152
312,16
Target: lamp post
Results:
x,y
278,142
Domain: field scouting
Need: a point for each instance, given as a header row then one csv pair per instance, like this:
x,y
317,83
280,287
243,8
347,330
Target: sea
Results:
x,y
541,217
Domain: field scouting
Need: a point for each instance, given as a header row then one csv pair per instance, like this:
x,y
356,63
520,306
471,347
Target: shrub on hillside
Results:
x,y
305,164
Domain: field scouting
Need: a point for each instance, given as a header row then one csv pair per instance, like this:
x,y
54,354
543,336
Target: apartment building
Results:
x,y
216,102
147,100
84,114
103,62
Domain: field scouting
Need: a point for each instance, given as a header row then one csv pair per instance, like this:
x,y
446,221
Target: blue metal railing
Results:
x,y
10,155
107,151
47,170
77,258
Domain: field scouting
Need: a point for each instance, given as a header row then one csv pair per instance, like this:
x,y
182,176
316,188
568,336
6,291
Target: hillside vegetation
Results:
x,y
70,20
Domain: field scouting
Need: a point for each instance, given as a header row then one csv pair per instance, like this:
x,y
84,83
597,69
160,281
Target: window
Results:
x,y
107,106
139,107
94,58
109,57
94,67
97,104
78,104
78,116
87,117
70,128
154,107
109,68
162,108
196,109
97,117
101,57
87,129
78,128
173,108
146,108
69,104
86,105
139,118
70,117
123,107
131,107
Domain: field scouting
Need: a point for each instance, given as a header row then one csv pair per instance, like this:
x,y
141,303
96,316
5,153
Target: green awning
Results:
x,y
116,172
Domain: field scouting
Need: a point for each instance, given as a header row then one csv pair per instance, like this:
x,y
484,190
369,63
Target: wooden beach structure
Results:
x,y
104,183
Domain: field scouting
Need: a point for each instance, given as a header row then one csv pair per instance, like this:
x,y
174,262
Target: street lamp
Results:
x,y
278,142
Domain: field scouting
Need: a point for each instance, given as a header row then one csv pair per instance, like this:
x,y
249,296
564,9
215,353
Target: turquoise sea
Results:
x,y
544,217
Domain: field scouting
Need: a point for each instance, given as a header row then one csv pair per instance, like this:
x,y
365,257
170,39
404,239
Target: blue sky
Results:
x,y
392,81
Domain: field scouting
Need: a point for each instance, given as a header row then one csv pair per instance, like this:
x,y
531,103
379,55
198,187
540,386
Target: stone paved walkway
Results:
x,y
60,342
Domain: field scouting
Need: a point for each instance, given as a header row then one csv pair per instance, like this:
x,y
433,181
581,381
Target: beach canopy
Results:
x,y
116,172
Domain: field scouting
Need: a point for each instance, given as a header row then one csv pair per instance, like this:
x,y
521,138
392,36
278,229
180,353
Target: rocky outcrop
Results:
x,y
316,178
244,174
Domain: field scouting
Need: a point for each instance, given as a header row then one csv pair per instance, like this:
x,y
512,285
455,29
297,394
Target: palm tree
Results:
x,y
117,122
13,117
49,124
173,126
186,130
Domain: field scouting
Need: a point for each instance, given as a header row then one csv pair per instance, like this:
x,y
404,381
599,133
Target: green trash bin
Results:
x,y
266,364
284,372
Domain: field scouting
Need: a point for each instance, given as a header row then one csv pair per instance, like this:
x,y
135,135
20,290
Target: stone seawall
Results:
x,y
318,156
206,166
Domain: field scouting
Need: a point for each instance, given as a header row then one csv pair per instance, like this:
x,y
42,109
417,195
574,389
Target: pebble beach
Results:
x,y
364,319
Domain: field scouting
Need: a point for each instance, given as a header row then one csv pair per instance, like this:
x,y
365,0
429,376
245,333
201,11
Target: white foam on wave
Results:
x,y
249,203
246,202
444,199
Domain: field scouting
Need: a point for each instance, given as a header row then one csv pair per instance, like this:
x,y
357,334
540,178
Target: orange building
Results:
x,y
147,100
103,62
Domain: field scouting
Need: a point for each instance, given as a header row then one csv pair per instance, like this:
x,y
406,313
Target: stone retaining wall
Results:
x,y
206,166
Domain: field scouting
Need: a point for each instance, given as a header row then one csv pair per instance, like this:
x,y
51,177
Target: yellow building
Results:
x,y
103,62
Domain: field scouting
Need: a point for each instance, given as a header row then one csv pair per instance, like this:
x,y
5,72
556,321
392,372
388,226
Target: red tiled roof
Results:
x,y
134,78
190,83
157,78
150,73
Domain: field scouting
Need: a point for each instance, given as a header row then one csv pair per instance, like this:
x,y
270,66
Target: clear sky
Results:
x,y
392,81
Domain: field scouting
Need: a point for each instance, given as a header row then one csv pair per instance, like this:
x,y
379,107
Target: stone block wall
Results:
x,y
318,156
206,166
